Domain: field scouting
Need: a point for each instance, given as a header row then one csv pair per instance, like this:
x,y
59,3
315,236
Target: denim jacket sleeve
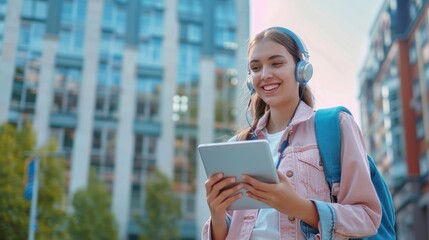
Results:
x,y
326,222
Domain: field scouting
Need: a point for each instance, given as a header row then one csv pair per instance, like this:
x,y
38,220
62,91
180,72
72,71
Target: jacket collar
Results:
x,y
303,113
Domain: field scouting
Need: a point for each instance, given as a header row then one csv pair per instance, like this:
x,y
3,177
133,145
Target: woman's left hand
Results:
x,y
280,196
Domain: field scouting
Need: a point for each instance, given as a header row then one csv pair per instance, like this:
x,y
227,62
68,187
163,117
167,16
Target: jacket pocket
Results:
x,y
312,174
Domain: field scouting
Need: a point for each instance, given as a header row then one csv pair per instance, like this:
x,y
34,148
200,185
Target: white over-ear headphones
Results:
x,y
303,69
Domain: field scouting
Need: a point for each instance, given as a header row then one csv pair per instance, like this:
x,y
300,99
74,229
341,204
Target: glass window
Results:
x,y
81,10
24,36
65,138
412,54
116,77
150,51
117,47
108,13
99,103
2,6
158,22
1,35
65,41
68,139
152,3
148,93
103,74
194,33
225,60
416,97
120,22
156,50
427,75
67,11
66,88
41,9
106,39
144,23
27,8
37,33
413,10
424,169
423,34
420,131
78,39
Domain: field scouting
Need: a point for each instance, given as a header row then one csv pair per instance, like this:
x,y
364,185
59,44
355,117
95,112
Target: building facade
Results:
x,y
126,87
394,87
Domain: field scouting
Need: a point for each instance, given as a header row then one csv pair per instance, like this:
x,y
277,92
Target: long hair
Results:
x,y
258,107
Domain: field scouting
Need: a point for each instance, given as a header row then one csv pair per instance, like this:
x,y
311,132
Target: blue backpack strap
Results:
x,y
328,136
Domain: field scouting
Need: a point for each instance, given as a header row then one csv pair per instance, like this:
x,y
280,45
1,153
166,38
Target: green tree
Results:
x,y
92,218
162,209
52,215
14,209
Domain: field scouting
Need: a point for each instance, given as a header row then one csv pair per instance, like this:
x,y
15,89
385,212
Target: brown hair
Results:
x,y
258,107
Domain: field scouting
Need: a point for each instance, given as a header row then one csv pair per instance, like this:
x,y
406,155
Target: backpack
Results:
x,y
328,135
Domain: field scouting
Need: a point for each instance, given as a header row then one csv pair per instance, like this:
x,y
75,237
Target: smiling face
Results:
x,y
273,70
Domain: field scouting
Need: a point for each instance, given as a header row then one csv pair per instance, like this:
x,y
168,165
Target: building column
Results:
x,y
165,146
408,115
242,93
8,55
206,120
124,151
45,90
83,134
41,123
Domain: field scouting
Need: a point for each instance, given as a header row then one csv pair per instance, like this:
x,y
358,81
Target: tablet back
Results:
x,y
236,158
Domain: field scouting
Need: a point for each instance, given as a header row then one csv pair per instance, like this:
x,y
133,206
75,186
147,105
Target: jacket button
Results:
x,y
291,218
289,173
320,163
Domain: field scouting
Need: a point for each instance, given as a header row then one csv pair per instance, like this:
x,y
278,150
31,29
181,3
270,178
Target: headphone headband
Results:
x,y
297,39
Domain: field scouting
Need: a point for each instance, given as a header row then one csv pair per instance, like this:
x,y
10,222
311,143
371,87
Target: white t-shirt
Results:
x,y
267,223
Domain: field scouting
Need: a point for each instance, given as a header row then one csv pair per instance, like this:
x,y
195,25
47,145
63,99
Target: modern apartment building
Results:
x,y
394,94
126,86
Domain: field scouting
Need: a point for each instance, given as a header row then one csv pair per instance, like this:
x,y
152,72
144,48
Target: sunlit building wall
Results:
x,y
126,87
394,108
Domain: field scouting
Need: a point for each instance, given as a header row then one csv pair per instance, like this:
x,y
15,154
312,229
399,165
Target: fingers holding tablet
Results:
x,y
221,193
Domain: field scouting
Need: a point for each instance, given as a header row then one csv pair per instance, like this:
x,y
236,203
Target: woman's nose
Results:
x,y
266,73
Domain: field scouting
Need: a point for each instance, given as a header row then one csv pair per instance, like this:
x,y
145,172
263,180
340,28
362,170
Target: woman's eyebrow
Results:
x,y
275,56
270,58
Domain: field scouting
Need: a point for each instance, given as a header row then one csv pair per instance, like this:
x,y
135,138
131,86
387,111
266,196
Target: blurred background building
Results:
x,y
130,86
394,95
126,86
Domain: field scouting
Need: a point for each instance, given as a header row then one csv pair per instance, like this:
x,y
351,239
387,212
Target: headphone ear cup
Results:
x,y
249,83
303,72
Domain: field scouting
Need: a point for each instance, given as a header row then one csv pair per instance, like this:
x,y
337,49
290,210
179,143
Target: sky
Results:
x,y
336,34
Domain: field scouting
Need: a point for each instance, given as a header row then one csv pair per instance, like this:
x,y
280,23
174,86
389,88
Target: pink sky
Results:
x,y
336,34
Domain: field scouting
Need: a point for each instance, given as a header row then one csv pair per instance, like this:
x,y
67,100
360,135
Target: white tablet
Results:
x,y
236,158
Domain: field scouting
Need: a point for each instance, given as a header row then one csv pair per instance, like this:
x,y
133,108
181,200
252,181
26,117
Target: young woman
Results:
x,y
282,109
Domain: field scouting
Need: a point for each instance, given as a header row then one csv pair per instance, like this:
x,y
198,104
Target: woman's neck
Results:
x,y
280,117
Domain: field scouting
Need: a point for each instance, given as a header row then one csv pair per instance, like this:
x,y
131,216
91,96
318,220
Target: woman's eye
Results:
x,y
254,69
277,64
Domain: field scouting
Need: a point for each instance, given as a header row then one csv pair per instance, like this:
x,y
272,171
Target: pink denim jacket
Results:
x,y
356,214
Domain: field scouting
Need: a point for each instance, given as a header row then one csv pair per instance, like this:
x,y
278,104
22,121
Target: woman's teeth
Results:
x,y
270,87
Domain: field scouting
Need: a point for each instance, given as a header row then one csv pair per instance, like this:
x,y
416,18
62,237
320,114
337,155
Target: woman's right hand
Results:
x,y
219,196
